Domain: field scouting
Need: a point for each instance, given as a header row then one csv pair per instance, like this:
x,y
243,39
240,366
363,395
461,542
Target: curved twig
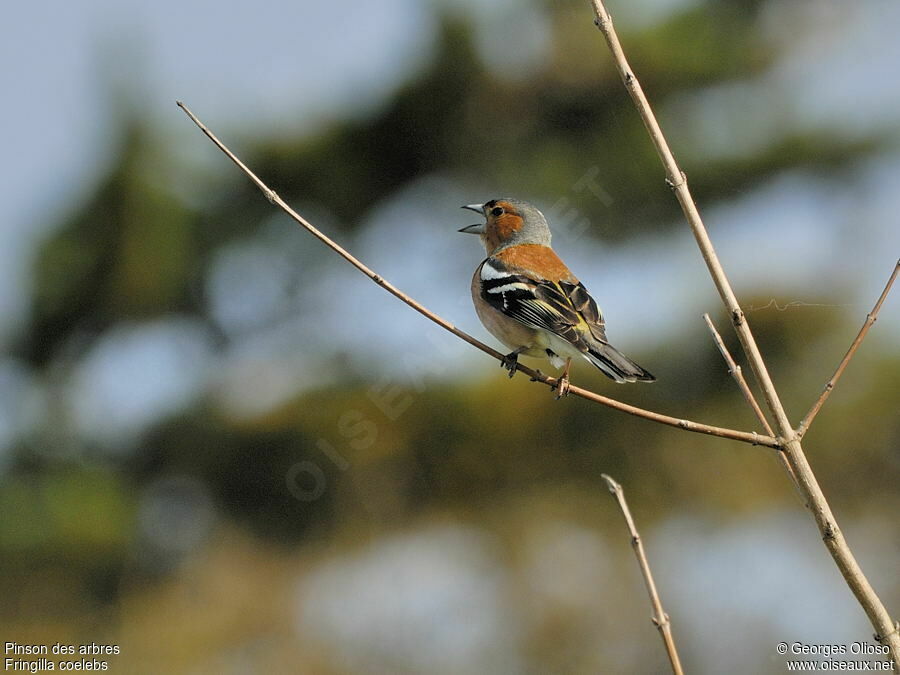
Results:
x,y
752,438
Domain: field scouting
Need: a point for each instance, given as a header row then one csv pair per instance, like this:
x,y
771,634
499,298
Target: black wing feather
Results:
x,y
557,307
563,308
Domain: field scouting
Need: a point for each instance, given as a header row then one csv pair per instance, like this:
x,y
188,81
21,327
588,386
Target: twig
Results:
x,y
885,627
871,317
735,371
660,618
752,438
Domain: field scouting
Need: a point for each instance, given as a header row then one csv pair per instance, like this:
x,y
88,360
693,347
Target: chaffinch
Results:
x,y
530,301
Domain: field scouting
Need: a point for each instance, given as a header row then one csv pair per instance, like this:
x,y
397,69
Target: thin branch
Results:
x,y
660,618
885,628
735,371
871,317
752,438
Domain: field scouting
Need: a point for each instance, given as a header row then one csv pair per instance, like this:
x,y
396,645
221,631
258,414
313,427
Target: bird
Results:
x,y
528,299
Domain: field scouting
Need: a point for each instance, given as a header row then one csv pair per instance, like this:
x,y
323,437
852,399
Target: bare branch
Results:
x,y
885,627
746,437
660,618
871,317
735,371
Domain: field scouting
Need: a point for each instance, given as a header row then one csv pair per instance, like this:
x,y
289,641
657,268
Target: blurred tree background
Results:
x,y
226,451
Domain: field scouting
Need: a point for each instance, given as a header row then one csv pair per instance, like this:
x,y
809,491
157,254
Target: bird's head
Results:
x,y
508,222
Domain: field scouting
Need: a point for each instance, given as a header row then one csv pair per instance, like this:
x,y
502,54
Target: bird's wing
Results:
x,y
586,307
563,308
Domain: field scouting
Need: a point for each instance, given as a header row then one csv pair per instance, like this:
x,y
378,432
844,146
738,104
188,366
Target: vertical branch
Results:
x,y
677,180
660,618
886,630
871,317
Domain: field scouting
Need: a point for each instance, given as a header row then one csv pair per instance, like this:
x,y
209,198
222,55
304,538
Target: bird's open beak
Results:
x,y
477,228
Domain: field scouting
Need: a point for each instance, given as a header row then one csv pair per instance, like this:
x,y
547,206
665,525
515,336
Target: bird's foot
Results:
x,y
538,376
562,386
510,361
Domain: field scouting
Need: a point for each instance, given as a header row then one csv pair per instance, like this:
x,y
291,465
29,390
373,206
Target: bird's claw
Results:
x,y
510,361
538,376
562,387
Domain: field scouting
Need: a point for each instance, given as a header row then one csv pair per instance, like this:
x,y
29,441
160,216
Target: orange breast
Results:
x,y
541,259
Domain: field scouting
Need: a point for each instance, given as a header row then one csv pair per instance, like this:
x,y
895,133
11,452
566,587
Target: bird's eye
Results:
x,y
497,211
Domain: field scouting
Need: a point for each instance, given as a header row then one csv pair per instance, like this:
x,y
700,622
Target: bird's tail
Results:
x,y
615,365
